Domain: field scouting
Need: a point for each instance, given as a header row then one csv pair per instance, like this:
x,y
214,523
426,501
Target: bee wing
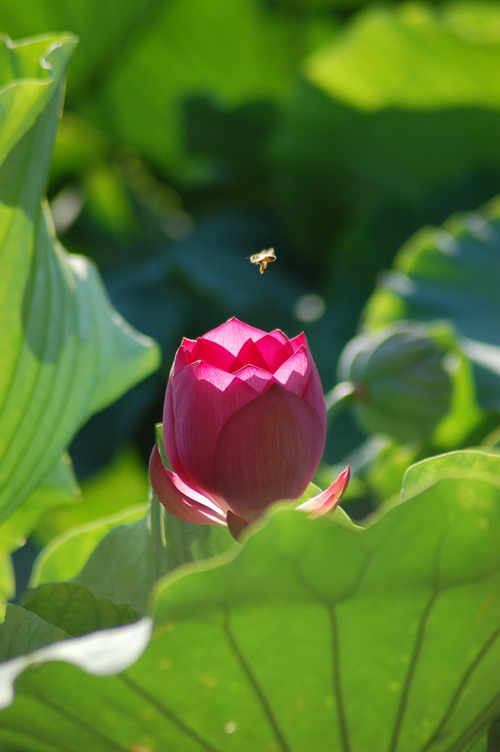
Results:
x,y
266,255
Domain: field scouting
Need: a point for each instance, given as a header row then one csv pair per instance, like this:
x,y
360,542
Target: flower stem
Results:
x,y
157,548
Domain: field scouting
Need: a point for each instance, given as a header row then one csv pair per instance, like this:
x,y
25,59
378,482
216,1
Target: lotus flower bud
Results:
x,y
402,385
244,425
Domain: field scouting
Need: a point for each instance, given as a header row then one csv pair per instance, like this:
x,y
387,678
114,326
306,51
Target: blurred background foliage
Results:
x,y
197,133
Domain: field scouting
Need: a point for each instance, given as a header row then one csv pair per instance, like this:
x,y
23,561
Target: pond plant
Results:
x,y
298,571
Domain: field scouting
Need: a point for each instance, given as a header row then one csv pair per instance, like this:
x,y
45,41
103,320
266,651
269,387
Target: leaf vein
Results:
x,y
259,692
78,721
175,720
337,685
24,732
460,689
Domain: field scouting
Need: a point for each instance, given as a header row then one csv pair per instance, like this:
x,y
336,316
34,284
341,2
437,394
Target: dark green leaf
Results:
x,y
24,632
131,558
393,127
120,566
75,609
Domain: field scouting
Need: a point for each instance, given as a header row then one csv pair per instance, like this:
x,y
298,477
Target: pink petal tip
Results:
x,y
327,500
178,498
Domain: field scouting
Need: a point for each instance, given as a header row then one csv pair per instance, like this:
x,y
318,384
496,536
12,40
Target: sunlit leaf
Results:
x,y
121,485
235,52
130,559
58,488
66,351
463,464
65,555
309,636
104,652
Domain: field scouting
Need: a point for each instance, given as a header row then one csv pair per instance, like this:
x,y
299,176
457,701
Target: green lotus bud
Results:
x,y
401,383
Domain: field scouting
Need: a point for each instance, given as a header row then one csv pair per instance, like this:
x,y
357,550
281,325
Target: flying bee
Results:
x,y
263,258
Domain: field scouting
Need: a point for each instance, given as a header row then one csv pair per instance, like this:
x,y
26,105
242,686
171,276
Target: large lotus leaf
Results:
x,y
65,351
453,273
122,556
311,636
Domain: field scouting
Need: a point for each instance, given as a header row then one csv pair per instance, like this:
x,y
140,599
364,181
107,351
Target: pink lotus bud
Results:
x,y
244,425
